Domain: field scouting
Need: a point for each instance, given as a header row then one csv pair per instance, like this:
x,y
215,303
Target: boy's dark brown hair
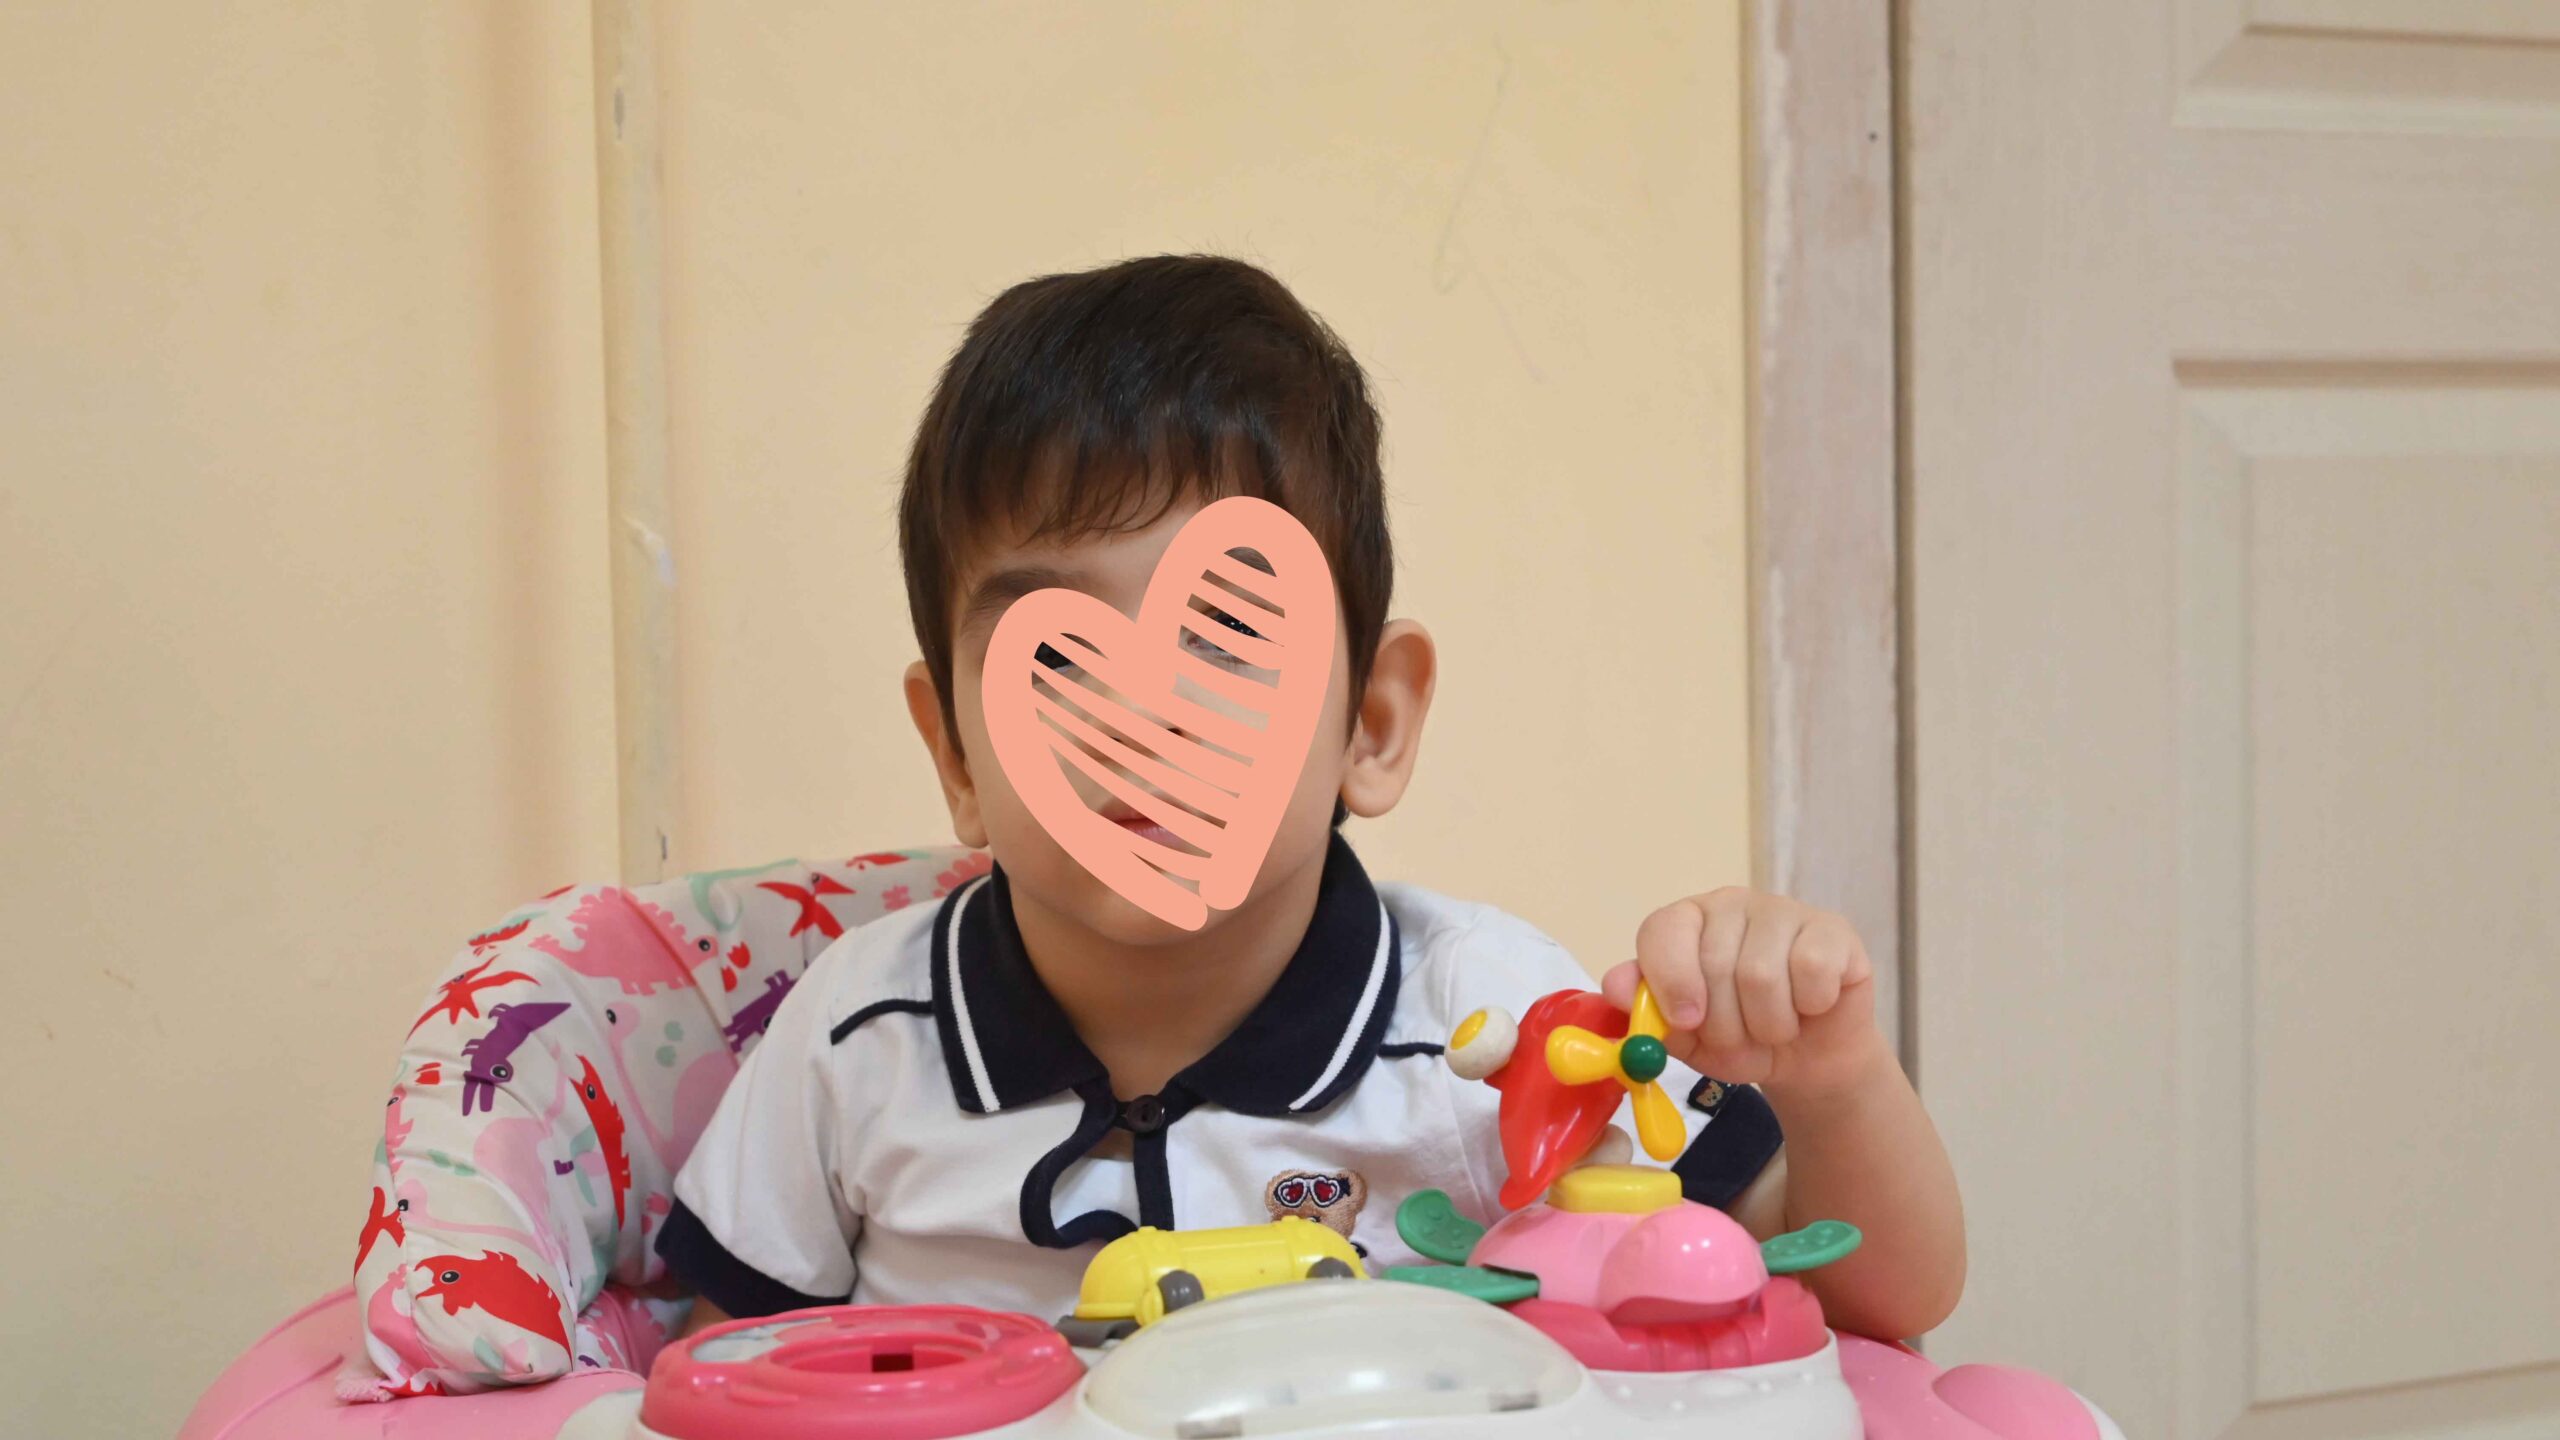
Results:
x,y
1092,402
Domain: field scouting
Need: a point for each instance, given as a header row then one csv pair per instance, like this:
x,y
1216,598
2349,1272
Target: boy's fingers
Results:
x,y
1620,984
1748,1065
1719,951
1667,946
1819,965
1761,979
1859,969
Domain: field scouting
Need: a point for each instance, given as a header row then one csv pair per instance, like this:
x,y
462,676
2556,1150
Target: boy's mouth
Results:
x,y
1146,829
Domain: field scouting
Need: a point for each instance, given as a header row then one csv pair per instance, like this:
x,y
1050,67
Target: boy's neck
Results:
x,y
1148,1012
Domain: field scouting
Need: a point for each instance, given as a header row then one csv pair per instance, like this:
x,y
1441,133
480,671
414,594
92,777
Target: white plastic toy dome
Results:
x,y
1308,1357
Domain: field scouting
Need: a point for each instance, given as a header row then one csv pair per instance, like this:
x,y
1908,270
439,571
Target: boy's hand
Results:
x,y
1758,989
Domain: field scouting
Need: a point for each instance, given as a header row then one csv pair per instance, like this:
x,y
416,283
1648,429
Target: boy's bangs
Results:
x,y
1068,488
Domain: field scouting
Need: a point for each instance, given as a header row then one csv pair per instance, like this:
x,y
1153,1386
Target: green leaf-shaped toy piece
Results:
x,y
1494,1287
1431,1224
1819,1243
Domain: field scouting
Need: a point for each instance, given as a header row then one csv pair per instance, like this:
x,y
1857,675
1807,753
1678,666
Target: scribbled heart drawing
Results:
x,y
1134,699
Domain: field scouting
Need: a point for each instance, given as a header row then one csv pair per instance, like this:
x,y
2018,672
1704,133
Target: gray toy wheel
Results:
x,y
1179,1288
1329,1268
1094,1334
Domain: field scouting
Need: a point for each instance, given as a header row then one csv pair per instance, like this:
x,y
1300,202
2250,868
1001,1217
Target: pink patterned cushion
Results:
x,y
547,1094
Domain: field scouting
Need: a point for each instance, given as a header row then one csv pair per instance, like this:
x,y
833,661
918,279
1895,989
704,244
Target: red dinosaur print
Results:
x,y
876,857
734,964
385,1220
460,995
602,1114
430,1073
501,935
812,913
498,1283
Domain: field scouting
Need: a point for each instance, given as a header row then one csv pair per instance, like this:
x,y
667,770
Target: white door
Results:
x,y
2233,380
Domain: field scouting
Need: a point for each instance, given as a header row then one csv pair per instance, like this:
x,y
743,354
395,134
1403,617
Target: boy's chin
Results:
x,y
1071,891
1067,889
1116,918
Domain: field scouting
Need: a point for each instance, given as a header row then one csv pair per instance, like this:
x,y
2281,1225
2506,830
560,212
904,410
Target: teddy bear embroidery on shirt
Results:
x,y
1331,1198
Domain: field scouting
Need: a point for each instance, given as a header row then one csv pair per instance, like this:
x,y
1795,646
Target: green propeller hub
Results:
x,y
1643,1058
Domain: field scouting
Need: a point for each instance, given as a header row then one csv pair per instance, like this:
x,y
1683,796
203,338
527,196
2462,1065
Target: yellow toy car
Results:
x,y
1142,1277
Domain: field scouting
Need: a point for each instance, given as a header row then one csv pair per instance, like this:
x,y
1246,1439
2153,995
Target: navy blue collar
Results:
x,y
1007,1043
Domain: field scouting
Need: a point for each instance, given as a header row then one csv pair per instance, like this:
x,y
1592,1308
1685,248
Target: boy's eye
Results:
x,y
1209,648
1051,657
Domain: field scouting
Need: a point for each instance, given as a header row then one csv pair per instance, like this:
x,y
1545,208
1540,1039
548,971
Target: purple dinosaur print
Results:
x,y
489,1059
756,1014
629,941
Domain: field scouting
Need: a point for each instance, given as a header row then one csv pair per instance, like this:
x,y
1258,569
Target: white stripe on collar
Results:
x,y
1359,1017
986,1087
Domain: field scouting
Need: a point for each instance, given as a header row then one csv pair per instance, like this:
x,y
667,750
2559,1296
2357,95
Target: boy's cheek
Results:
x,y
1306,822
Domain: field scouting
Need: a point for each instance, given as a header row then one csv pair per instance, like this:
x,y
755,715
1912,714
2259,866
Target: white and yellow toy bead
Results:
x,y
1483,1044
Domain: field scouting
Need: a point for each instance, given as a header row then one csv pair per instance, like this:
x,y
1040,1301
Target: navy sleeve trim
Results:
x,y
868,1013
1738,1143
739,1289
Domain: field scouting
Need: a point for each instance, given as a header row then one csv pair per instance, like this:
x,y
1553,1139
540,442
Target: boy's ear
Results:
x,y
924,705
1387,731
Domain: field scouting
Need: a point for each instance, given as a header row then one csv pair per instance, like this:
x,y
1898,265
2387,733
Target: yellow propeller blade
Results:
x,y
1646,1018
1578,1057
1658,1123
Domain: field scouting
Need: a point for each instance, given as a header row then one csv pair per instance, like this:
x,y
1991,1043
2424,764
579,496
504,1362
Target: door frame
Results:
x,y
1830,767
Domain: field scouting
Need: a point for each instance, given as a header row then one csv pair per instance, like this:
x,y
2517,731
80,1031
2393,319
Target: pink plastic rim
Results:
x,y
894,1372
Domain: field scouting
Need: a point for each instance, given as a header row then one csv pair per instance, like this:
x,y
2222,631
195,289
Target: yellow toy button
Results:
x,y
1615,1189
1468,1029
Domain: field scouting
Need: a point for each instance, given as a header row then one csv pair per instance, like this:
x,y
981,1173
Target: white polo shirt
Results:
x,y
919,1123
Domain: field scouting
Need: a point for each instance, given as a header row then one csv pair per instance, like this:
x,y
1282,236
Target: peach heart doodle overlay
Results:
x,y
1130,715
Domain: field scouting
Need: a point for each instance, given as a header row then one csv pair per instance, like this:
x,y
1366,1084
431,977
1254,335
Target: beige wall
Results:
x,y
304,667
304,670
1523,218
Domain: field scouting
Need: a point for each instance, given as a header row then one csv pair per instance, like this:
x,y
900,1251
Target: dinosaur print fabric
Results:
x,y
547,1093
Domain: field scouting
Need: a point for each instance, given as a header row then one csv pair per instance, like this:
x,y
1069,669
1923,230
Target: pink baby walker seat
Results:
x,y
507,1285
546,1093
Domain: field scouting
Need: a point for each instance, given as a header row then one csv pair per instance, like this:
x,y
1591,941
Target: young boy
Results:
x,y
959,1102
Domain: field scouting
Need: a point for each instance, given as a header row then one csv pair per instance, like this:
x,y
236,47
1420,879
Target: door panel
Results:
x,y
2397,590
2477,67
2233,385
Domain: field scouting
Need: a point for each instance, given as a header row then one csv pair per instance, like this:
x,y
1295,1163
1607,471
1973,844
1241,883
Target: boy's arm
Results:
x,y
705,1315
761,1223
1868,1155
1761,990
